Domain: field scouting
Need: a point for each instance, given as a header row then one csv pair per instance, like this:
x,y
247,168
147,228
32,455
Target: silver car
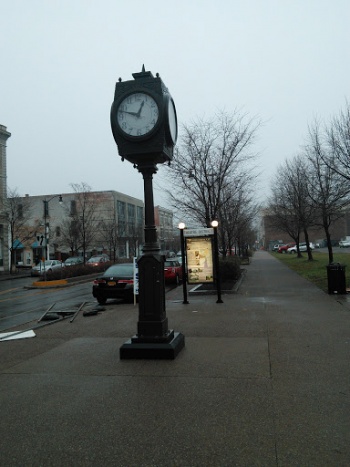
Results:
x,y
302,247
46,267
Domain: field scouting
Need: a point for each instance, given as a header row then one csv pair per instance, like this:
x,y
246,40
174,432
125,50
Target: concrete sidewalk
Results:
x,y
264,380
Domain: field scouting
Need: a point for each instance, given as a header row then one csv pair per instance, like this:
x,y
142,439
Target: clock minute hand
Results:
x,y
139,112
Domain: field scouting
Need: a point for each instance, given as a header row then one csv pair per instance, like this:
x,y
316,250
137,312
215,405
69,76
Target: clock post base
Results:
x,y
153,348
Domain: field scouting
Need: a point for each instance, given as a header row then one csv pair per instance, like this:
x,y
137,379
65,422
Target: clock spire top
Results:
x,y
143,74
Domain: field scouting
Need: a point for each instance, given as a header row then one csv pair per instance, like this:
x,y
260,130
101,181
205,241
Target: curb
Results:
x,y
61,282
56,283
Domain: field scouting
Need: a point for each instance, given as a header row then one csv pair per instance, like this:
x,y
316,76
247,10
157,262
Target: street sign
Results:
x,y
136,277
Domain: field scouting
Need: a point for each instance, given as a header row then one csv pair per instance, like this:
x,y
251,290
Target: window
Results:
x,y
131,212
139,217
131,219
46,209
73,207
121,208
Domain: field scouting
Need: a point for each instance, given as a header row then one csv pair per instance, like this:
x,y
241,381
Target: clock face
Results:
x,y
172,120
137,114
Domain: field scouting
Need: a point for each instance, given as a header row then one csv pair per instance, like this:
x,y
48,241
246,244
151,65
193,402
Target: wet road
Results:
x,y
19,305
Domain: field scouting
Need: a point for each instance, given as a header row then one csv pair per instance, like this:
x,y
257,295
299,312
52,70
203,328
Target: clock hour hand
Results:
x,y
135,114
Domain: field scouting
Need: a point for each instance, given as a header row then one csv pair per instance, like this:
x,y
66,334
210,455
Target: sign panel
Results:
x,y
201,232
199,252
136,277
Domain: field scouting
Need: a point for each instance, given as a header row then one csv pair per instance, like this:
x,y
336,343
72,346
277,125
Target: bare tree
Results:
x,y
328,188
81,229
17,212
282,213
109,233
236,220
292,208
337,139
70,235
212,156
135,238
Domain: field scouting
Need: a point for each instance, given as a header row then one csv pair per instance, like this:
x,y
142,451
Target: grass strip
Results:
x,y
316,270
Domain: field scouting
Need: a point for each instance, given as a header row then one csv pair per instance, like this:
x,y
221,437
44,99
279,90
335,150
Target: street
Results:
x,y
20,305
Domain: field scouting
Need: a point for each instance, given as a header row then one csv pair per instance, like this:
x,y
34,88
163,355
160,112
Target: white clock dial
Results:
x,y
137,114
172,119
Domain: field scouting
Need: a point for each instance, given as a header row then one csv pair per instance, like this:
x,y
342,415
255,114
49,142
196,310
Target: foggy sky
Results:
x,y
285,62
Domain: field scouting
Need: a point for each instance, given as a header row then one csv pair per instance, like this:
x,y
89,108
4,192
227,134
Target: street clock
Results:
x,y
144,120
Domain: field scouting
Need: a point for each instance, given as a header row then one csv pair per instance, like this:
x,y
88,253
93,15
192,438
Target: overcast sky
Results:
x,y
285,61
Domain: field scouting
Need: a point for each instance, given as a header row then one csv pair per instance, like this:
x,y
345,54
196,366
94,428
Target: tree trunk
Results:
x,y
329,246
309,252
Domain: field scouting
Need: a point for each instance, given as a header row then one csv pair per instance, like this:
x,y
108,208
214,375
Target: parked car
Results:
x,y
97,260
47,267
302,247
74,260
284,248
168,253
172,271
344,242
116,282
276,247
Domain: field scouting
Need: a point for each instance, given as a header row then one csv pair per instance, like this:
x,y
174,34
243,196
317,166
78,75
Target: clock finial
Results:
x,y
143,74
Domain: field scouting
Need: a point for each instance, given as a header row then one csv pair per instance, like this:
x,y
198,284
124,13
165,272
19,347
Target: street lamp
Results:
x,y
46,227
215,224
184,275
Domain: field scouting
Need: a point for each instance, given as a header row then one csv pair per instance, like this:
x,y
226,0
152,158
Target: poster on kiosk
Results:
x,y
199,254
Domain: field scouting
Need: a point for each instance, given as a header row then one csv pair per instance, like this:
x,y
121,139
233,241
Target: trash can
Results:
x,y
336,278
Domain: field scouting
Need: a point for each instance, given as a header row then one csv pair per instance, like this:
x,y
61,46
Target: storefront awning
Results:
x,y
16,245
37,244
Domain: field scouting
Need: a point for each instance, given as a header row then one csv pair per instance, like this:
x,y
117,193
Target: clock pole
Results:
x,y
151,242
152,326
151,143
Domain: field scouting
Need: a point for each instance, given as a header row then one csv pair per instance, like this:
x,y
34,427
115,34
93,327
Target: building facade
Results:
x,y
165,230
72,224
4,253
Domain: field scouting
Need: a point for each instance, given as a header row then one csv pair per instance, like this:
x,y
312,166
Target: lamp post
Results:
x,y
184,275
215,224
46,227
